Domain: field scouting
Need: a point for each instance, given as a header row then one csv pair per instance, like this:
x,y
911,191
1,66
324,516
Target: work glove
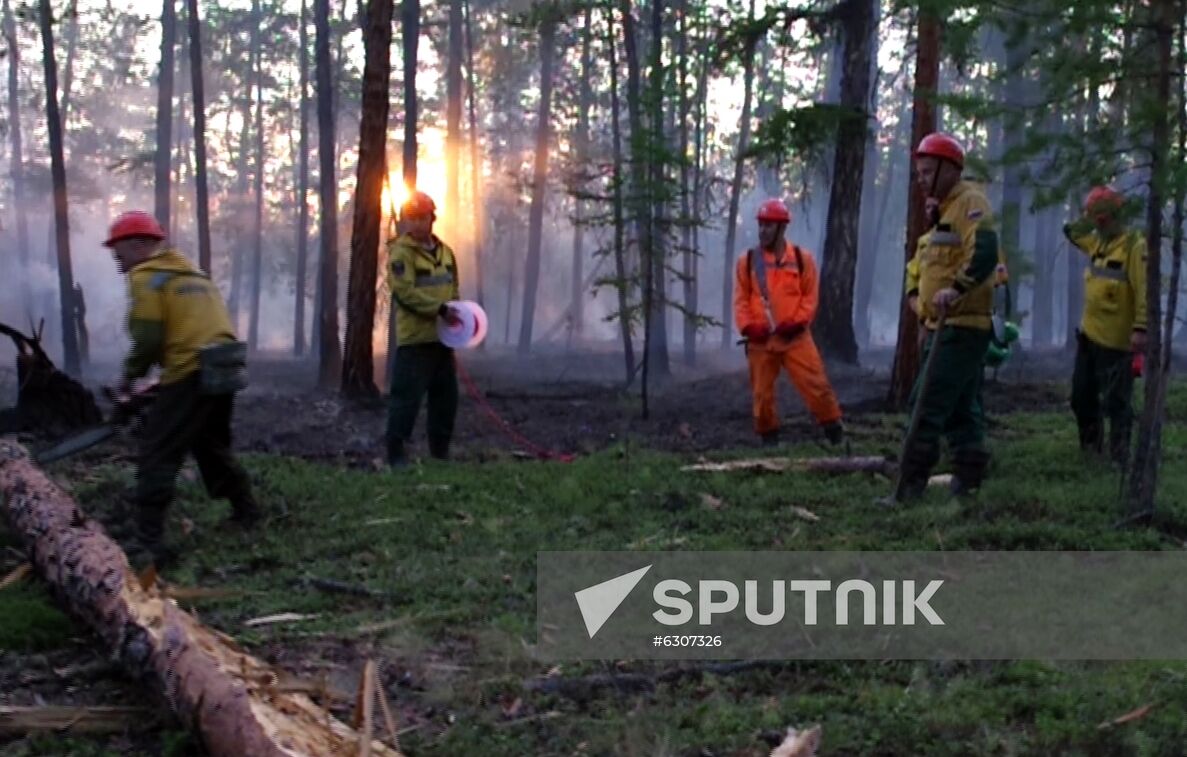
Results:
x,y
449,314
757,332
790,329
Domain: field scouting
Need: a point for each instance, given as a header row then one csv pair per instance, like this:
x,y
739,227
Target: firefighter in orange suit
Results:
x,y
776,290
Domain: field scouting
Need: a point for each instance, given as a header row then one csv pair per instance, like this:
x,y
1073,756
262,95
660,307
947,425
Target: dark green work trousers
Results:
x,y
423,369
183,420
1102,386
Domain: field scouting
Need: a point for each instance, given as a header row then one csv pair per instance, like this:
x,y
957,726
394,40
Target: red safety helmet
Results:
x,y
418,205
774,210
1103,199
134,223
940,145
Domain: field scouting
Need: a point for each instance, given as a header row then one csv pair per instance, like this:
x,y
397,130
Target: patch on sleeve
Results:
x,y
974,214
398,267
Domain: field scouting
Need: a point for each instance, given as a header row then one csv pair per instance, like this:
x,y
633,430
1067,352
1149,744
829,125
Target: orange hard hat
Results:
x,y
774,210
940,145
134,223
1103,199
418,204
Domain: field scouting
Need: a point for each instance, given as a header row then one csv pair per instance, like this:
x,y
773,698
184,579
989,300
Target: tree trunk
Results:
x,y
329,359
1043,317
453,114
239,205
868,240
165,114
539,184
16,160
655,353
410,10
1013,135
731,228
687,253
834,326
923,122
585,103
58,175
302,183
213,686
476,202
68,74
257,246
1143,478
199,98
625,317
358,362
692,280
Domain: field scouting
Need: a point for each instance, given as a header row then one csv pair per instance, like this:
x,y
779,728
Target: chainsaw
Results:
x,y
126,408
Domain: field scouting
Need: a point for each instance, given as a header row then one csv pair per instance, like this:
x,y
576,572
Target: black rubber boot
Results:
x,y
914,471
1092,438
770,439
835,433
968,470
147,545
396,456
439,448
245,511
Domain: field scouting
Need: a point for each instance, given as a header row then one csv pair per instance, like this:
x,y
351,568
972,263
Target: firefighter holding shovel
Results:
x,y
950,286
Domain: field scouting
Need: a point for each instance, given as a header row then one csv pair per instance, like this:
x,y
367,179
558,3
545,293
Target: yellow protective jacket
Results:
x,y
421,281
1114,284
961,252
175,310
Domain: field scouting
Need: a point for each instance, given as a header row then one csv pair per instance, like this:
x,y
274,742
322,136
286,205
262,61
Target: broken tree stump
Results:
x,y
48,401
227,696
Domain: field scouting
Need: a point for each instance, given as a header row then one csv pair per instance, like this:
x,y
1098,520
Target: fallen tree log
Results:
x,y
816,464
18,721
228,697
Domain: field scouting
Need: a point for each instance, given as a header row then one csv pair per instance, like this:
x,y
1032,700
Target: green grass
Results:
x,y
30,621
454,547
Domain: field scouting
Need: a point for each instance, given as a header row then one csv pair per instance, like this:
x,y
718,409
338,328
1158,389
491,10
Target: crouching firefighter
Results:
x,y
1113,325
177,321
776,290
953,273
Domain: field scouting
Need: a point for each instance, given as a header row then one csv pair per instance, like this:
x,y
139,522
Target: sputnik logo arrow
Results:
x,y
598,602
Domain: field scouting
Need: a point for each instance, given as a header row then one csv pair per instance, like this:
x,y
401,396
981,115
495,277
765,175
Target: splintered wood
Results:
x,y
214,686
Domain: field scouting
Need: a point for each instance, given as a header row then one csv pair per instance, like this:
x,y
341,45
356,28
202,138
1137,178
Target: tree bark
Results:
x,y
302,183
198,89
358,362
165,114
688,253
58,175
228,697
329,358
623,284
1143,476
834,327
692,280
923,122
539,185
453,113
585,103
239,205
410,32
731,228
257,246
655,353
16,157
476,201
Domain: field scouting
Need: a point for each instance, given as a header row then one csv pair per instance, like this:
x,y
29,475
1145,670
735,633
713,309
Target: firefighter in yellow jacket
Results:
x,y
177,321
1113,325
422,276
952,273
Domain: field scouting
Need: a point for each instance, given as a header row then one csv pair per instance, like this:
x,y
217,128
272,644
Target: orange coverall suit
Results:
x,y
793,297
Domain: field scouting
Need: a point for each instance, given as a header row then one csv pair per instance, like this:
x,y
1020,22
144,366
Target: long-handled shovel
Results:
x,y
917,411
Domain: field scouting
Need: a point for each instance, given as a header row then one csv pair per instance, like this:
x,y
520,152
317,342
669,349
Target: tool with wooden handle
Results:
x,y
916,411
